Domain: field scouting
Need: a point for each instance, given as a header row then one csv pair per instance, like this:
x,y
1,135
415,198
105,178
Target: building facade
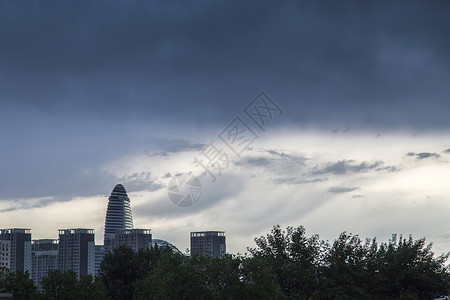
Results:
x,y
44,257
99,253
208,243
77,251
19,248
134,238
5,254
118,215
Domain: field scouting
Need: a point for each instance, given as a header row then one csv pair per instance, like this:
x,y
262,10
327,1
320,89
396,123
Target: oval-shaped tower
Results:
x,y
118,214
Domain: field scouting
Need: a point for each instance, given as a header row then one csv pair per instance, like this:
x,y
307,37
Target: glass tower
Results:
x,y
118,215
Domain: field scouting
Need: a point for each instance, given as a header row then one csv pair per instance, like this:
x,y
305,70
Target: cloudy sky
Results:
x,y
94,93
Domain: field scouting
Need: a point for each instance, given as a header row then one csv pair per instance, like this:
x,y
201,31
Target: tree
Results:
x,y
344,272
259,281
175,276
118,271
308,268
59,285
90,288
408,269
18,283
399,269
294,259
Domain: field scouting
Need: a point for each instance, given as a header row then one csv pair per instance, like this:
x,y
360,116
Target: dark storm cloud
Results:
x,y
379,63
346,166
447,151
56,158
81,81
340,190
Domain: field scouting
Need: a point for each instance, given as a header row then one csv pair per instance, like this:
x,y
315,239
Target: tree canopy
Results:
x,y
284,264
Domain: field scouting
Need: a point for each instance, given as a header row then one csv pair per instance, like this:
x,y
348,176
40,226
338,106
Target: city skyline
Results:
x,y
95,94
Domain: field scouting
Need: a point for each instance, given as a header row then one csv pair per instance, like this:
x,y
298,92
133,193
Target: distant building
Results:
x,y
208,243
5,253
44,257
99,253
134,238
118,215
19,248
119,224
77,251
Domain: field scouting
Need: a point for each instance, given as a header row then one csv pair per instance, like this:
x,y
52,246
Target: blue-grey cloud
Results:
x,y
340,190
277,161
212,194
294,158
346,166
296,180
185,62
423,155
258,161
63,163
162,146
18,204
140,181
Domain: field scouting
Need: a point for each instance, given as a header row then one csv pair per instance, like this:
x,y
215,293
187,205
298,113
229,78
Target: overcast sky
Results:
x,y
94,93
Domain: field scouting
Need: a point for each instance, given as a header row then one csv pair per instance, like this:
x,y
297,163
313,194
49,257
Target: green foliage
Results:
x,y
123,268
18,283
59,285
285,264
63,285
177,276
293,257
174,276
307,268
118,271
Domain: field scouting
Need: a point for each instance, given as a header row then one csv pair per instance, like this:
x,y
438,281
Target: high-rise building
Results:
x,y
134,238
5,253
77,251
19,248
44,257
208,243
99,253
118,215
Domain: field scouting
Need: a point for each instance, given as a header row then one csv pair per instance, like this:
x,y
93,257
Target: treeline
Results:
x,y
285,264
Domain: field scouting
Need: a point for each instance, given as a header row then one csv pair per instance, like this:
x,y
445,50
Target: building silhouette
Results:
x,y
208,243
77,251
44,257
19,248
118,215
